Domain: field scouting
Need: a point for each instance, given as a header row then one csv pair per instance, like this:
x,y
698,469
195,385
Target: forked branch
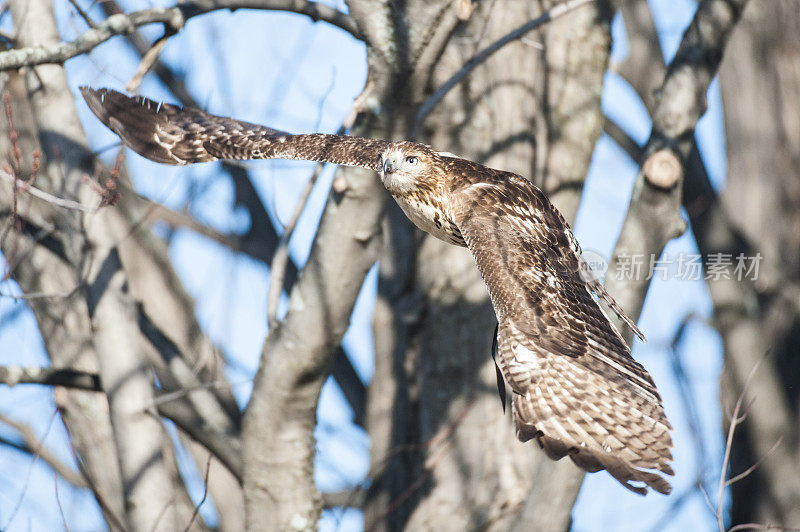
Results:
x,y
172,17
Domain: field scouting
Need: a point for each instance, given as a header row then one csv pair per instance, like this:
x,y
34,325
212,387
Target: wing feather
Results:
x,y
577,390
173,135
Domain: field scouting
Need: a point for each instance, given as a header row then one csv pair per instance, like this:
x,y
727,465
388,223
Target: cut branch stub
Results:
x,y
663,169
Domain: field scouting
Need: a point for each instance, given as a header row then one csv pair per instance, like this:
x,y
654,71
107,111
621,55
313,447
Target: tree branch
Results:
x,y
23,186
47,264
295,360
172,17
70,378
644,67
623,140
32,445
262,240
225,447
427,106
653,216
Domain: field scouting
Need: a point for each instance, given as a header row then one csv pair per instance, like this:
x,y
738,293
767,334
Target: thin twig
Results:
x,y
148,60
58,503
280,260
687,397
28,445
735,420
205,494
753,467
556,12
707,498
36,453
41,194
166,397
84,15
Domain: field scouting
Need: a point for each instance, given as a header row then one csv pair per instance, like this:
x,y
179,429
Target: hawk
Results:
x,y
575,387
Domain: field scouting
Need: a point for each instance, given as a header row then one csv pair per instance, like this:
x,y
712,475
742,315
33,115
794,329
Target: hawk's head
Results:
x,y
409,167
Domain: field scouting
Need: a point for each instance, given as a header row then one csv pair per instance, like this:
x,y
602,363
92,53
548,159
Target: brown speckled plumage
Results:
x,y
576,388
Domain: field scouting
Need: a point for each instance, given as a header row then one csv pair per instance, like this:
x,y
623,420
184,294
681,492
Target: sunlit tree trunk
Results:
x,y
533,108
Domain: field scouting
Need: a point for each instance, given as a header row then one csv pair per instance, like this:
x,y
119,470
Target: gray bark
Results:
x,y
520,111
444,456
678,105
759,212
138,436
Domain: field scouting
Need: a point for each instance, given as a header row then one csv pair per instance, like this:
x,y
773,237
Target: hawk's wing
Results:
x,y
576,387
173,135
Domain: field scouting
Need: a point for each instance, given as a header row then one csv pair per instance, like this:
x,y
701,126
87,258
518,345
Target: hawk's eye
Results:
x,y
412,160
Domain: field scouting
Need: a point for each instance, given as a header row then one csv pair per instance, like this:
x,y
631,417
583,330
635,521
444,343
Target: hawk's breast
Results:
x,y
427,214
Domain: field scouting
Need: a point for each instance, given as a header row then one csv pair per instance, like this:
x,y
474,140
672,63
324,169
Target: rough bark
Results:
x,y
138,436
761,207
278,441
42,260
434,385
444,456
678,105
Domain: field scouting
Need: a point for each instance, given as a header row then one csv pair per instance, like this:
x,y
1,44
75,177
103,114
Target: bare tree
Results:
x,y
473,78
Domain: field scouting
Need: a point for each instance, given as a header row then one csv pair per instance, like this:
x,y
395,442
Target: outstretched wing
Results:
x,y
173,135
576,387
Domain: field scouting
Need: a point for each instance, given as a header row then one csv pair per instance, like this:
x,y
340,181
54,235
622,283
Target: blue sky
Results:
x,y
284,71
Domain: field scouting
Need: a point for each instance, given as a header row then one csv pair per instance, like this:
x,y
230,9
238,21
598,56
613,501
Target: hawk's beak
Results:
x,y
388,167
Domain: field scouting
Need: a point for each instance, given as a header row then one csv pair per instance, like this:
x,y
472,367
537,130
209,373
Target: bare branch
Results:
x,y
81,380
623,140
653,216
83,14
557,11
224,447
205,494
735,420
148,60
172,17
58,502
280,259
34,446
50,269
24,186
753,467
644,67
262,240
36,453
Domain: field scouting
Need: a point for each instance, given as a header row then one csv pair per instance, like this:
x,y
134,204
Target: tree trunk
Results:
x,y
536,113
761,92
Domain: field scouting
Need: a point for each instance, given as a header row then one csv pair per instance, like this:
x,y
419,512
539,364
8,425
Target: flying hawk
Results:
x,y
576,388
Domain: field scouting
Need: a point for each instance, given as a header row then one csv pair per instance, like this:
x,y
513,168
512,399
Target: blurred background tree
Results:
x,y
136,297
